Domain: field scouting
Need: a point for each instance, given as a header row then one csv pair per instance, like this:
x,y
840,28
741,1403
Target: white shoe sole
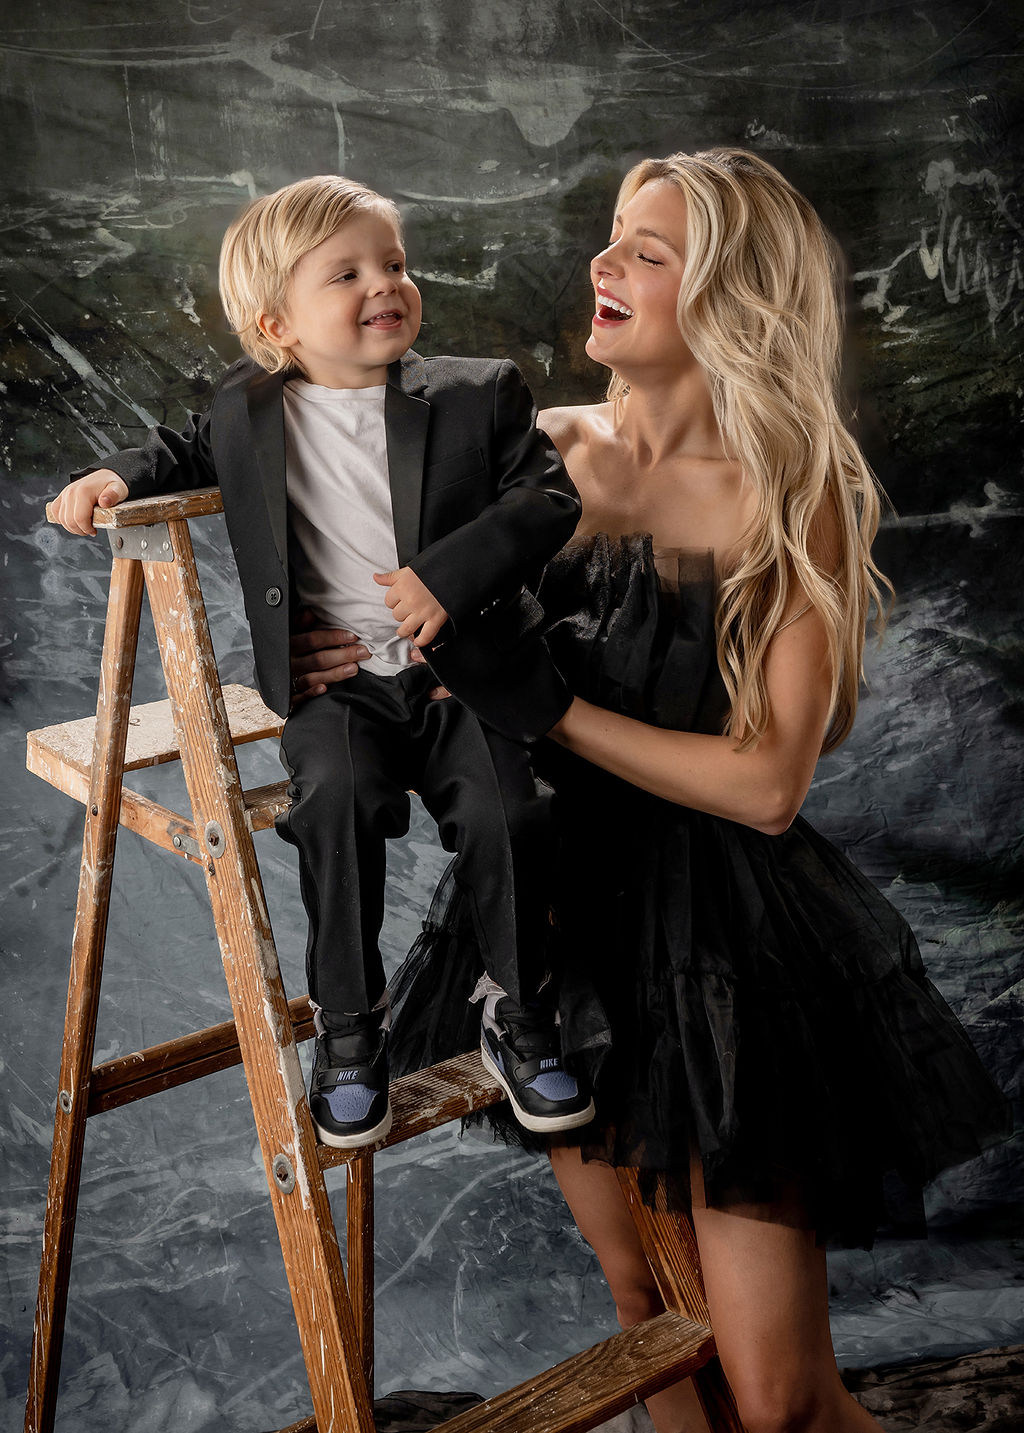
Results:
x,y
538,1123
355,1141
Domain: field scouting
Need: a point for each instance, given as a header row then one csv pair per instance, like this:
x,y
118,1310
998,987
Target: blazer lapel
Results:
x,y
406,419
266,418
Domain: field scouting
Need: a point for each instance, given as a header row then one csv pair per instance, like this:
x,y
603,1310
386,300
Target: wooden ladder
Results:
x,y
199,726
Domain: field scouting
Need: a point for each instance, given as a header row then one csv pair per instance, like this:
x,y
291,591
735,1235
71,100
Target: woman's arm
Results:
x,y
763,787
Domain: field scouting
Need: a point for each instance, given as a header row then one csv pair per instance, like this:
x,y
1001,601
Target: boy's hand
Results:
x,y
322,656
72,508
415,608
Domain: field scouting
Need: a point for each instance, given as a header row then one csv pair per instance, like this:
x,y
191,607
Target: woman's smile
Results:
x,y
636,283
610,310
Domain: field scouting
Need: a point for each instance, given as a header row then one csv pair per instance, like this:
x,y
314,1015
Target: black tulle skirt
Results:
x,y
747,1001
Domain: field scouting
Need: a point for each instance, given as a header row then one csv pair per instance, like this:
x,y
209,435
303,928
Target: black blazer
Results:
x,y
480,500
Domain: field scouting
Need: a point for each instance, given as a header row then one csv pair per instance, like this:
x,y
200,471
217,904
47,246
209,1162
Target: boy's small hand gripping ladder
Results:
x,y
200,726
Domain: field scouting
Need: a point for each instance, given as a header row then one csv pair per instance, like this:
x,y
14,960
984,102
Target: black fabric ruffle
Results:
x,y
749,999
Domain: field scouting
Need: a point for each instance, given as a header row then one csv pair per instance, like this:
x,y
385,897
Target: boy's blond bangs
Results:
x,y
266,241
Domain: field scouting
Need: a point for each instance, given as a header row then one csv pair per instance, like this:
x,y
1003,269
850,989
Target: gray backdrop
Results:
x,y
132,134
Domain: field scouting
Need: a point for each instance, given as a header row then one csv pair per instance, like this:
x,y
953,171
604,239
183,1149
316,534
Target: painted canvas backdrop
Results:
x,y
132,135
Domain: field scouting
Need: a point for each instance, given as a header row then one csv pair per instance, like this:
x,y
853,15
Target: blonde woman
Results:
x,y
763,1041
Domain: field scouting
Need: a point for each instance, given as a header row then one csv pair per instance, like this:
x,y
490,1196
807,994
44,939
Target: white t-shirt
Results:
x,y
340,500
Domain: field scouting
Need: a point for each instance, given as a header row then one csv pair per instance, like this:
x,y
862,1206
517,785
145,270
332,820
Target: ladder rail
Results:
x,y
117,668
359,1232
309,1244
670,1246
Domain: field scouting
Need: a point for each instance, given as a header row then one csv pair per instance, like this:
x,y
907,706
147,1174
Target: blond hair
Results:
x,y
266,241
759,308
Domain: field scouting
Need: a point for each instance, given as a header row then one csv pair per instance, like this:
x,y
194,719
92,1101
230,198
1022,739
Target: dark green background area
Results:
x,y
131,136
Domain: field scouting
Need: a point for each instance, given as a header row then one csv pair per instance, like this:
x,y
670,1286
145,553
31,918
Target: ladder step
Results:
x,y
151,738
263,803
165,828
426,1099
596,1384
590,1387
420,1102
170,507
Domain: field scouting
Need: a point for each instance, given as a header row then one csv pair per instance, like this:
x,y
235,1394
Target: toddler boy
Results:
x,y
356,478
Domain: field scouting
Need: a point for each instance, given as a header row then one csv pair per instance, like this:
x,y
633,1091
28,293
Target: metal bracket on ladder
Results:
x,y
143,544
151,544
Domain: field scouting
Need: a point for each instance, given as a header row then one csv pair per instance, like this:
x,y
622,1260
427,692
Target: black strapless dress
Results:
x,y
752,999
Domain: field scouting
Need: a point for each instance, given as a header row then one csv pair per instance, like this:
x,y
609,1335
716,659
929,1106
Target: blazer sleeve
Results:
x,y
167,462
535,513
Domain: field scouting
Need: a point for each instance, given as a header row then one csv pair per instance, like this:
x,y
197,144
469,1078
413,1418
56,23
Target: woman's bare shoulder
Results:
x,y
567,427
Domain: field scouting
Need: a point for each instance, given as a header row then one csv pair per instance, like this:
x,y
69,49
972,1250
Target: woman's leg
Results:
x,y
767,1295
768,1299
593,1195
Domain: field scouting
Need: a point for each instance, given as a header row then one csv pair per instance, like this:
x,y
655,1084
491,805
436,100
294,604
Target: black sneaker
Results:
x,y
524,1054
348,1090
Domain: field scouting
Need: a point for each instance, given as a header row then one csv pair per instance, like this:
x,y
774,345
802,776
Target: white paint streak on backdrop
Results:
x,y
975,252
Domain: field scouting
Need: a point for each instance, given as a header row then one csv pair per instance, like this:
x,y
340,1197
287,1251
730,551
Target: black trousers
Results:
x,y
353,754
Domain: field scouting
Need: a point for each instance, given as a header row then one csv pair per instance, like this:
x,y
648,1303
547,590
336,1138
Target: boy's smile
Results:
x,y
351,307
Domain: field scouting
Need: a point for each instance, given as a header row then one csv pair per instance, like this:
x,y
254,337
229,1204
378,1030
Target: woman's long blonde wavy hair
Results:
x,y
759,308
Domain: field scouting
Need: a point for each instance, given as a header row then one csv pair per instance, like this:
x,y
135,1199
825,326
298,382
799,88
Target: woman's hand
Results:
x,y
436,694
322,655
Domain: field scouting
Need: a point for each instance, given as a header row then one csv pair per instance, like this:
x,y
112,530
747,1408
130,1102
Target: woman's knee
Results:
x,y
637,1302
631,1282
780,1409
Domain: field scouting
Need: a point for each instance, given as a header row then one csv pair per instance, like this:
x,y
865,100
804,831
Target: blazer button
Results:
x,y
273,596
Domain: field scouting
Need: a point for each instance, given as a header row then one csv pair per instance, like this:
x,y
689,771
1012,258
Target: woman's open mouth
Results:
x,y
611,310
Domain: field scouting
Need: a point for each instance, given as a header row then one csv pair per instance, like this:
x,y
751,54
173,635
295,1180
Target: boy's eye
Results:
x,y
343,278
